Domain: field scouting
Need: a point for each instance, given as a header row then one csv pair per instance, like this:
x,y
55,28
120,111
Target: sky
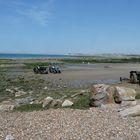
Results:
x,y
70,26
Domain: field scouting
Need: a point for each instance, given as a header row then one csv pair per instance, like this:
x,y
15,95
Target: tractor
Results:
x,y
40,70
54,69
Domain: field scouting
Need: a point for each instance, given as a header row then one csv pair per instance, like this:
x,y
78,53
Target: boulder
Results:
x,y
111,92
98,99
67,103
20,93
127,94
47,101
99,88
114,96
128,103
132,111
103,94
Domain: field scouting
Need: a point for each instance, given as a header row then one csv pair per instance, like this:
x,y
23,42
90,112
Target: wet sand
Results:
x,y
95,72
82,76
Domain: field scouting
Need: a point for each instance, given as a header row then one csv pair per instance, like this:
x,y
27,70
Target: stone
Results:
x,y
31,92
131,111
77,94
111,94
45,88
16,88
83,91
20,93
99,88
117,98
6,107
127,94
9,90
101,94
98,99
56,103
9,137
24,101
128,103
47,101
67,103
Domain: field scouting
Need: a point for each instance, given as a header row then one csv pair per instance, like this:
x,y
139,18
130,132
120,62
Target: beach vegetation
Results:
x,y
29,108
87,60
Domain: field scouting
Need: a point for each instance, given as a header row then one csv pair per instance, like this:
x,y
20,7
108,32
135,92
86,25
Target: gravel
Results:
x,y
70,124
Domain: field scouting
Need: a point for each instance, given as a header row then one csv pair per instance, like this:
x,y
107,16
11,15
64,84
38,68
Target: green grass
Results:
x,y
29,108
32,65
102,60
82,102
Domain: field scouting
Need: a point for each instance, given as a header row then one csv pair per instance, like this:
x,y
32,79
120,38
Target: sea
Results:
x,y
32,56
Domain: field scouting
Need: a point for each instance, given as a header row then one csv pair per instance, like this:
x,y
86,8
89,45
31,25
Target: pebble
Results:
x,y
66,124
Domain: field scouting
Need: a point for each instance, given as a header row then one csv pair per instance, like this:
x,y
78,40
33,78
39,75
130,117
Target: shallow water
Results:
x,y
80,66
87,83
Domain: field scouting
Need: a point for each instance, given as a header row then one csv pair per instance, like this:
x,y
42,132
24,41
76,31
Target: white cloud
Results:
x,y
38,12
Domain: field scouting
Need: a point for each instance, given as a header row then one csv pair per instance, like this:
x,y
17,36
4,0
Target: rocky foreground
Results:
x,y
115,115
103,123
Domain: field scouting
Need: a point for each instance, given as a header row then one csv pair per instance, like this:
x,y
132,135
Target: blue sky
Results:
x,y
70,26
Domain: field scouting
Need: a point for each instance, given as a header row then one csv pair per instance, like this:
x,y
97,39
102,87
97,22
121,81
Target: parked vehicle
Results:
x,y
40,70
54,69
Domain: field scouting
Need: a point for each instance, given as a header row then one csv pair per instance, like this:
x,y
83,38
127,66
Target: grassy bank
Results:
x,y
103,60
38,88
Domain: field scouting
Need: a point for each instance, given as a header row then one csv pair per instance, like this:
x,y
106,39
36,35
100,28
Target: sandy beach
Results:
x,y
97,71
64,123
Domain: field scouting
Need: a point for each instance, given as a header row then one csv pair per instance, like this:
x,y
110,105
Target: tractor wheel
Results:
x,y
133,78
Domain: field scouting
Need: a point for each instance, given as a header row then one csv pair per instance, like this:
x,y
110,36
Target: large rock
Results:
x,y
103,94
113,95
67,103
132,111
127,94
98,99
98,95
47,101
128,103
99,88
